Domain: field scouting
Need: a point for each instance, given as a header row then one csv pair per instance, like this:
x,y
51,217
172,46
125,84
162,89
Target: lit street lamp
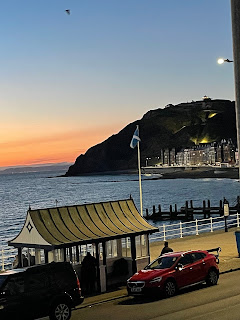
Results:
x,y
235,14
147,161
221,60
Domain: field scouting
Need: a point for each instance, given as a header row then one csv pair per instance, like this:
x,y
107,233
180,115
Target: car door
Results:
x,y
12,296
184,275
198,266
38,291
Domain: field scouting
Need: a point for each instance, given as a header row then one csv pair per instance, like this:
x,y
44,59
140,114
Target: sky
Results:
x,y
68,82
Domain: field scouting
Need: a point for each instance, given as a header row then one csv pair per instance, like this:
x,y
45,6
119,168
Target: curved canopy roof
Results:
x,y
78,224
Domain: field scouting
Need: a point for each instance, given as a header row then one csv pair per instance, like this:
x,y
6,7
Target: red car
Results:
x,y
173,271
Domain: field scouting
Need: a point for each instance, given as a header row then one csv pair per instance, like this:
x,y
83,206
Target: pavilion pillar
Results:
x,y
103,269
45,256
119,248
98,268
20,263
64,254
133,254
148,248
77,253
37,256
70,254
51,256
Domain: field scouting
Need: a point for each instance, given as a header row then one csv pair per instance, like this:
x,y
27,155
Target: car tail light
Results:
x,y
79,288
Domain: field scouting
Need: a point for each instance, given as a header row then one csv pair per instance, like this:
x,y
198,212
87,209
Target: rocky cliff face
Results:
x,y
178,126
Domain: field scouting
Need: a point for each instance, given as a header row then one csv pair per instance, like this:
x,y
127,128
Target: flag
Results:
x,y
135,138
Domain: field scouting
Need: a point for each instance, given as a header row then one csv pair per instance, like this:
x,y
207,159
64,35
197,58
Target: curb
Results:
x,y
89,305
230,270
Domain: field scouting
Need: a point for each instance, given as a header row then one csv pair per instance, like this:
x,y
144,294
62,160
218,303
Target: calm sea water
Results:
x,y
41,190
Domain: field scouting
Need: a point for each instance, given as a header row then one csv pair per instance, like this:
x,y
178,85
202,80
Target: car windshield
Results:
x,y
2,280
162,263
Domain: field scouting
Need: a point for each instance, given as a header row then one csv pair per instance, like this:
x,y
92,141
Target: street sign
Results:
x,y
226,209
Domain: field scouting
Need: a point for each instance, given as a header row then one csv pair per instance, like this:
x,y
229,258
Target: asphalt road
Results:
x,y
219,302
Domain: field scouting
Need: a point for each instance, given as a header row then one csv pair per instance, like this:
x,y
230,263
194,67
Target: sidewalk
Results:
x,y
229,260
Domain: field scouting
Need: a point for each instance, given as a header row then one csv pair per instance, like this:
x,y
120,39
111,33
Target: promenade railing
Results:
x,y
7,256
166,231
195,227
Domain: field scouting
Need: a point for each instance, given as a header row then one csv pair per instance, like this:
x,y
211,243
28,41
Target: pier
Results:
x,y
188,211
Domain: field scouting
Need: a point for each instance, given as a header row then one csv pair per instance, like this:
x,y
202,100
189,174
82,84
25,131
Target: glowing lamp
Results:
x,y
220,61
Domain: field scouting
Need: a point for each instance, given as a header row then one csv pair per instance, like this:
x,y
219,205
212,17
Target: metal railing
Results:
x,y
195,227
166,231
7,256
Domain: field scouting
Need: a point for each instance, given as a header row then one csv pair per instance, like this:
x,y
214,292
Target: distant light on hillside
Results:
x,y
204,140
212,115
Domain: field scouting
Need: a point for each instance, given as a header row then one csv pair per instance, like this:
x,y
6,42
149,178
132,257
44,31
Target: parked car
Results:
x,y
173,271
43,290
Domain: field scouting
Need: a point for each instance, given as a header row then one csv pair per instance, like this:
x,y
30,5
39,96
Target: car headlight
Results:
x,y
157,279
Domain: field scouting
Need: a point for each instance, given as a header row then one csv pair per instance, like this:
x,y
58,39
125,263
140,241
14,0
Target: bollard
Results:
x,y
191,204
221,208
171,212
204,209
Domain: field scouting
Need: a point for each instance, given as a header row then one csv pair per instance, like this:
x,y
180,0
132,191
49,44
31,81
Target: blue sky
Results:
x,y
73,80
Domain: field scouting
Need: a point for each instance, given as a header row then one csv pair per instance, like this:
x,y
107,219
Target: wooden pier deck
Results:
x,y
190,212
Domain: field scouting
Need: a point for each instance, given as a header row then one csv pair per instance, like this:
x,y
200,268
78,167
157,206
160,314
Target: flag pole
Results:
x,y
140,179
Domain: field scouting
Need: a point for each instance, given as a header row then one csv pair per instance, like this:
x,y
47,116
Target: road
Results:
x,y
219,302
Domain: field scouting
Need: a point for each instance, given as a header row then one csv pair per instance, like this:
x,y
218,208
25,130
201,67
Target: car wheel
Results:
x,y
170,288
60,311
212,278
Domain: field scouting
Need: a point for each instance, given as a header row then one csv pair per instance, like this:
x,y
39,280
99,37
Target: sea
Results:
x,y
19,191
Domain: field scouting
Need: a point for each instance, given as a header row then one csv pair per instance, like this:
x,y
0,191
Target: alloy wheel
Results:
x,y
213,277
170,289
62,312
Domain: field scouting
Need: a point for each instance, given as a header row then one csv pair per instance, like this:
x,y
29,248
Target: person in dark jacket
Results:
x,y
166,248
89,272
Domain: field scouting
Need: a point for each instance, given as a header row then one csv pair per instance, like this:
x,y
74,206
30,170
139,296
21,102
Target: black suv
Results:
x,y
43,290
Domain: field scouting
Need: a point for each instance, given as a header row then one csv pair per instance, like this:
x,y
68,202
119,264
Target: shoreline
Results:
x,y
157,173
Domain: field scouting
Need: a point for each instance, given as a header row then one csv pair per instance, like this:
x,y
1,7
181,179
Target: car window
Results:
x,y
198,256
2,280
162,263
14,284
186,259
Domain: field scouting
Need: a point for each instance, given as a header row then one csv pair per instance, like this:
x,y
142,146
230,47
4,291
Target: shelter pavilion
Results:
x,y
112,231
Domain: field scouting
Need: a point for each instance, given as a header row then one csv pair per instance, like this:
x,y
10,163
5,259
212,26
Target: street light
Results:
x,y
147,161
221,60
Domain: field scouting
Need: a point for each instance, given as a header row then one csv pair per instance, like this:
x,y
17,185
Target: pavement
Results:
x,y
229,258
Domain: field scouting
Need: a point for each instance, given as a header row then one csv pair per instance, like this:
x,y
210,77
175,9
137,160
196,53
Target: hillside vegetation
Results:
x,y
178,126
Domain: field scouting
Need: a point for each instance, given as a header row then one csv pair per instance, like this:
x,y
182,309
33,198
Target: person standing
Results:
x,y
166,248
89,272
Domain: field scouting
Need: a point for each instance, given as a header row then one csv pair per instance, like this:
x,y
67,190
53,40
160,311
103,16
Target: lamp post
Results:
x,y
221,60
235,13
147,161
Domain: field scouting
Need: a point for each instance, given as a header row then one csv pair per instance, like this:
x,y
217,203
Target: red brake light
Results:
x,y
78,284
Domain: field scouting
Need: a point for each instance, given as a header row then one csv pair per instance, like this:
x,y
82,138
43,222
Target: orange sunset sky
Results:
x,y
28,147
68,82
